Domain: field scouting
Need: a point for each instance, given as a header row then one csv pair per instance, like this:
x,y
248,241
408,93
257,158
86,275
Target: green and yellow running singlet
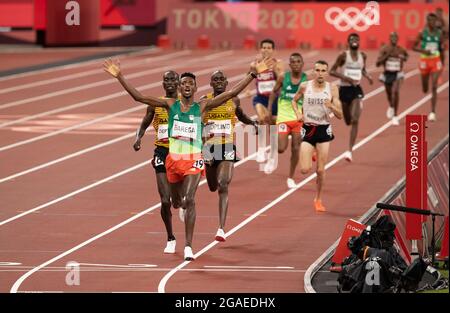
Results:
x,y
185,130
285,111
431,43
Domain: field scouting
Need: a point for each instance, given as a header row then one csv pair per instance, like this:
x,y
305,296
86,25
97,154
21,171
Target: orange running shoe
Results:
x,y
318,206
314,156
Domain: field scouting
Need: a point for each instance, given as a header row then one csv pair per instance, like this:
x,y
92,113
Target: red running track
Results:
x,y
100,207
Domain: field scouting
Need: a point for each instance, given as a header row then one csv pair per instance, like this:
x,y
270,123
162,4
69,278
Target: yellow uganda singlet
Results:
x,y
160,124
223,118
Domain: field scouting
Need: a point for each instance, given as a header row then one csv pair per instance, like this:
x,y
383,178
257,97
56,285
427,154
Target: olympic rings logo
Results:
x,y
353,18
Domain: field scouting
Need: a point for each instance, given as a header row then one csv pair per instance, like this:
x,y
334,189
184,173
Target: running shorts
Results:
x,y
348,93
159,159
214,154
177,168
390,77
430,65
264,100
314,134
289,127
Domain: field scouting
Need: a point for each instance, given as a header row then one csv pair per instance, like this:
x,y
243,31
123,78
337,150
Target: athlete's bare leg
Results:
x,y
283,140
306,152
164,193
211,177
346,110
355,108
224,175
176,195
396,94
388,88
189,187
425,80
434,85
322,157
295,149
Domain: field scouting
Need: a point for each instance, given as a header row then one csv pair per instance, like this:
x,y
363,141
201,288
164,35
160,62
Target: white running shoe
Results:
x,y
181,214
390,113
432,117
188,255
261,156
220,235
170,247
270,166
348,156
291,183
395,121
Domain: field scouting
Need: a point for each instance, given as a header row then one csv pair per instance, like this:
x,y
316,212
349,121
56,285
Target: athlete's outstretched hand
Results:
x,y
299,115
264,64
111,67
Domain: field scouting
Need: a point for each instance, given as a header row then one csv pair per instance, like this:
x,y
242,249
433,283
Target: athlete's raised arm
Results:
x,y
113,68
146,121
298,95
275,89
364,71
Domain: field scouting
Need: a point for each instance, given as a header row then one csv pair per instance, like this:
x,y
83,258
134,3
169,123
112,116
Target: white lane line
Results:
x,y
67,157
108,81
124,65
73,193
154,268
163,282
149,51
248,267
17,284
109,116
10,264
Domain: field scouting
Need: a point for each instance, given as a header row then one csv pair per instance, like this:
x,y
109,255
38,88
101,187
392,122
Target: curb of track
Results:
x,y
372,212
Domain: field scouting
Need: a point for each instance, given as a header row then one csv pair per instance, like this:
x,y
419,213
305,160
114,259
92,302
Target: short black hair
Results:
x,y
296,54
170,71
321,62
352,35
267,40
187,74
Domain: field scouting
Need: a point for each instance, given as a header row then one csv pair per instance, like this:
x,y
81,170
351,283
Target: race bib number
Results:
x,y
157,161
393,65
163,132
303,133
265,86
229,155
220,127
432,47
200,164
355,74
184,130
